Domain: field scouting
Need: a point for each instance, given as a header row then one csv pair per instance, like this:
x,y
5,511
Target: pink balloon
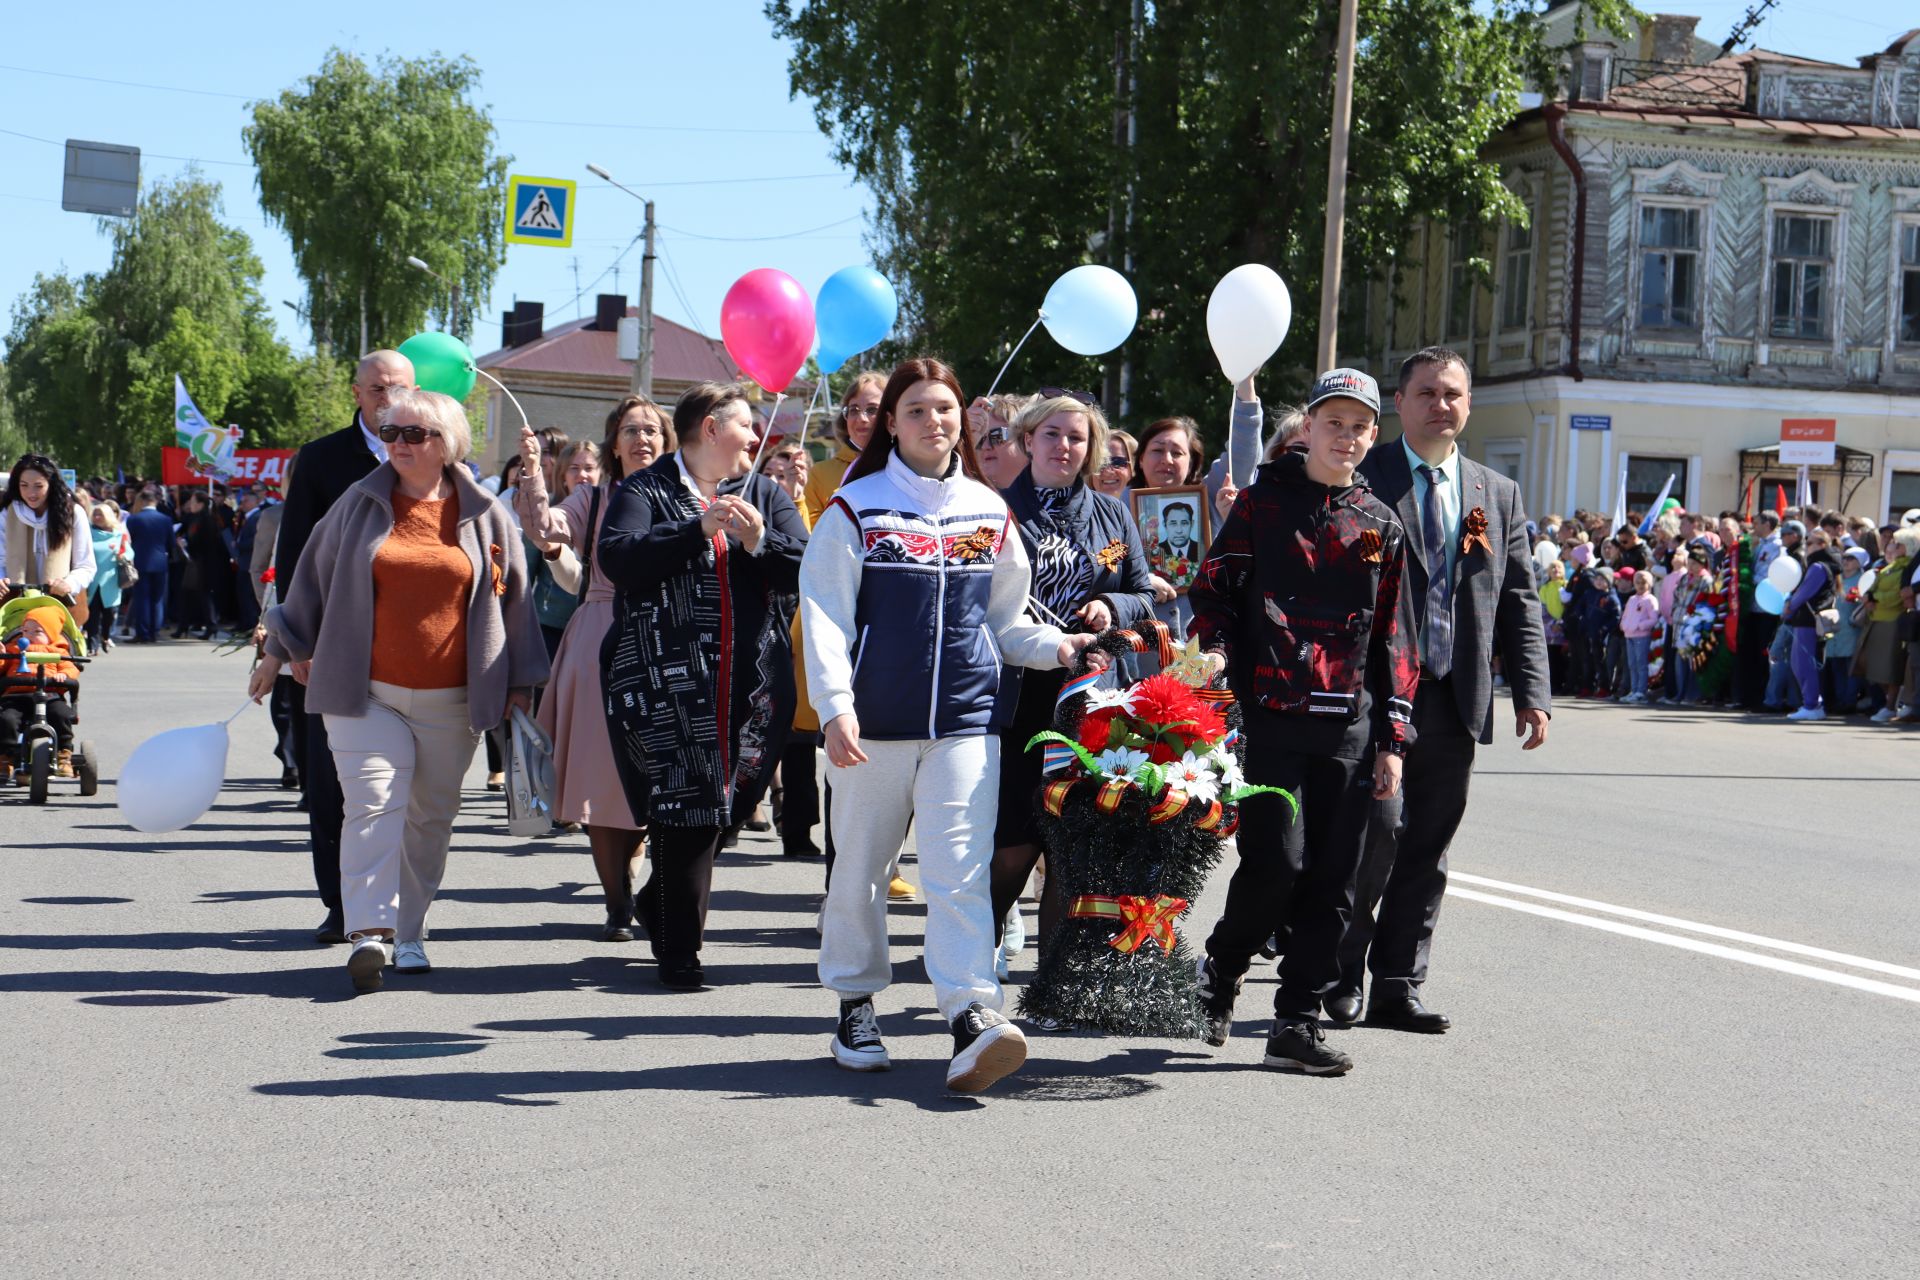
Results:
x,y
767,324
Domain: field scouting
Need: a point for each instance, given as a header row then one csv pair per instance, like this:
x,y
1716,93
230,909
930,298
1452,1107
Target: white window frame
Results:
x,y
1677,185
1903,460
1807,192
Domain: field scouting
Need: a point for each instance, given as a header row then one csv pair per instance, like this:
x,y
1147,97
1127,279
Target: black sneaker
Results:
x,y
1302,1046
986,1047
857,1045
1216,1000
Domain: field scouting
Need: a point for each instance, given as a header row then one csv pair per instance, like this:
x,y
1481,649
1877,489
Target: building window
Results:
x,y
1646,476
1516,278
1910,283
1460,286
1669,267
1802,275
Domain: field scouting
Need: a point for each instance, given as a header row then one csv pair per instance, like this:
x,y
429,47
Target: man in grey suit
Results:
x,y
1469,586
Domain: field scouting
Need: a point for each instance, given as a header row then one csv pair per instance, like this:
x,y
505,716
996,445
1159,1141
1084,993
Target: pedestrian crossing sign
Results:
x,y
540,211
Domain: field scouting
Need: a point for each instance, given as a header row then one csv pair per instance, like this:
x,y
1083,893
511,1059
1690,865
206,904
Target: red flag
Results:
x,y
1746,500
1780,501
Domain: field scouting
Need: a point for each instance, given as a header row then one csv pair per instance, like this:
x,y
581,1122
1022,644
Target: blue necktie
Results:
x,y
1436,637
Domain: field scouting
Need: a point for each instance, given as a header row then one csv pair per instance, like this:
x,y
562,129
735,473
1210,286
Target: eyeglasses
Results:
x,y
1116,464
996,436
412,433
861,410
1084,397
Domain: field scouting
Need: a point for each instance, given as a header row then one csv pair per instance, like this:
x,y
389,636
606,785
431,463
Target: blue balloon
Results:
x,y
1769,598
856,309
1090,310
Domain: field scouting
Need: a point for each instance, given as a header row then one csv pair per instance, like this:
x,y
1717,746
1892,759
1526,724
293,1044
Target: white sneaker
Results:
x,y
1013,933
1904,712
371,953
1808,713
1881,716
411,957
857,1045
1002,967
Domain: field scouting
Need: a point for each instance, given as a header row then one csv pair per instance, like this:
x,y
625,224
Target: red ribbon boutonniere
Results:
x,y
1474,527
495,555
1370,545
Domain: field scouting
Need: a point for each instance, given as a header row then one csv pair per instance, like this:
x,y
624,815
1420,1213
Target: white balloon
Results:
x,y
1866,582
1090,310
1247,319
172,778
1784,573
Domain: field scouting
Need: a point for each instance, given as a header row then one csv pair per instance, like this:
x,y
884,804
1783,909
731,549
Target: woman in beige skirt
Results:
x,y
573,711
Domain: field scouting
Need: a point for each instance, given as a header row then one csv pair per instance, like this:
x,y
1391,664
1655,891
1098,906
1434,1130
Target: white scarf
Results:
x,y
36,521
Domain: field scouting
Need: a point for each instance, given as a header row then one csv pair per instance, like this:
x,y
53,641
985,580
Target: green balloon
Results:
x,y
1666,506
441,362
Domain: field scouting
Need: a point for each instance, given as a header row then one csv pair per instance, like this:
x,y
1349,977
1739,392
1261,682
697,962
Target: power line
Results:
x,y
791,235
155,155
130,84
673,282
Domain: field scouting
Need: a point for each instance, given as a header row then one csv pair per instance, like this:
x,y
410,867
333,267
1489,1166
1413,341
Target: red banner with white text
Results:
x,y
250,466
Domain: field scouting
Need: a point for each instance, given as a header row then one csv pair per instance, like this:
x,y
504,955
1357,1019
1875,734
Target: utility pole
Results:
x,y
1337,187
643,366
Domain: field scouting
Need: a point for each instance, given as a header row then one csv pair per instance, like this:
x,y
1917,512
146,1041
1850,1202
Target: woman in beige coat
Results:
x,y
410,624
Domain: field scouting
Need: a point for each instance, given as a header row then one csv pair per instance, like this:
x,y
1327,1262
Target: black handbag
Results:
x,y
1906,629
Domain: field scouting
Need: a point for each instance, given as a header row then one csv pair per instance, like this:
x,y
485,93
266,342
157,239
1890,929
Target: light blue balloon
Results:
x,y
1769,598
855,310
1090,310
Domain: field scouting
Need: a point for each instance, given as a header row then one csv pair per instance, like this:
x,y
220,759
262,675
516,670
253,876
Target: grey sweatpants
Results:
x,y
950,788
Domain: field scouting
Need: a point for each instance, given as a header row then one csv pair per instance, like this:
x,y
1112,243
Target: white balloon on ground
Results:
x,y
1247,319
1090,310
173,778
1784,573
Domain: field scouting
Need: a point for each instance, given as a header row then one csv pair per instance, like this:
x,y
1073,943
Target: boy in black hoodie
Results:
x,y
1299,597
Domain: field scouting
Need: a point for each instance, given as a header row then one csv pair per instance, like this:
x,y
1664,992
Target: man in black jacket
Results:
x,y
1470,585
323,471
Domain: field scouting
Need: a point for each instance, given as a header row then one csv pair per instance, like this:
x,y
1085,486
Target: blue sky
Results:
x,y
688,94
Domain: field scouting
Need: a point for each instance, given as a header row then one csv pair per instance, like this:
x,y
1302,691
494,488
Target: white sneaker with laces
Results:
x,y
1808,713
370,955
1881,716
411,957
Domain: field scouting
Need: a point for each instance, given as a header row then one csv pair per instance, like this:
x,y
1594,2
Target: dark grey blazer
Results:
x,y
1493,596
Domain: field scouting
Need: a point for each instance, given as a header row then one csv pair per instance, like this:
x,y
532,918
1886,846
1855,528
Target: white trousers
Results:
x,y
400,766
950,787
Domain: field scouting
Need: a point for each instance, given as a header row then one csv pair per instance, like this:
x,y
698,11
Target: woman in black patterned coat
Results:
x,y
698,663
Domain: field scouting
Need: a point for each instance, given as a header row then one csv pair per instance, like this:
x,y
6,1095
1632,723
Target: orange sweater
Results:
x,y
422,580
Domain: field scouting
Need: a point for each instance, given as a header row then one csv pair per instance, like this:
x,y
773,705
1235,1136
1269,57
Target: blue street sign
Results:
x,y
1593,422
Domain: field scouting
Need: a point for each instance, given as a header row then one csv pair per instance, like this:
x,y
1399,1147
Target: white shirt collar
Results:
x,y
374,445
686,478
1450,468
928,492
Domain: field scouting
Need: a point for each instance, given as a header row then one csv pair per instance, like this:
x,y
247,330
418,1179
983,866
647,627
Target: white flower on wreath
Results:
x,y
1120,762
1227,765
1193,775
1110,699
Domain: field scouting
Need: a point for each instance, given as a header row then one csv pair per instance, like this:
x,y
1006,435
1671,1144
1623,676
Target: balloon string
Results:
x,y
236,715
806,419
760,450
503,386
1016,351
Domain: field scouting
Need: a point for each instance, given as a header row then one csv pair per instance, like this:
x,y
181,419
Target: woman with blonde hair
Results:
x,y
586,785
409,622
1116,473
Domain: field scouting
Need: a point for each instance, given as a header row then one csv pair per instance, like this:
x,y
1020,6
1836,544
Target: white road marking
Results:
x,y
1794,967
1690,926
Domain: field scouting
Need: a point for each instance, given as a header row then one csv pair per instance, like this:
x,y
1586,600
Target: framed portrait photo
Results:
x,y
1176,526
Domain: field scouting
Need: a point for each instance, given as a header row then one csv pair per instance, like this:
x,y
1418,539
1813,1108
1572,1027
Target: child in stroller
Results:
x,y
39,690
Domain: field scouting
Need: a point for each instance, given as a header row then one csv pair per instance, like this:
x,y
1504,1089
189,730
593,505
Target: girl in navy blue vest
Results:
x,y
912,597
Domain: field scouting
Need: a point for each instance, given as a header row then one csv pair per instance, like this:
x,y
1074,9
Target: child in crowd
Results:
x,y
1639,619
1599,621
41,631
1553,606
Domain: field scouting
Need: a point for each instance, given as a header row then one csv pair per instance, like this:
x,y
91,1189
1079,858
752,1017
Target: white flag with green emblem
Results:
x,y
209,448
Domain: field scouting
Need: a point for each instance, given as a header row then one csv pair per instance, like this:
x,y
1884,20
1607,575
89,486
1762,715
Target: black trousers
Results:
x,y
1750,665
672,904
17,711
1296,874
799,789
326,807
286,726
1404,873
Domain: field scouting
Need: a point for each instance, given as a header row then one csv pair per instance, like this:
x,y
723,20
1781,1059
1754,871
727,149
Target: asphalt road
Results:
x,y
188,1087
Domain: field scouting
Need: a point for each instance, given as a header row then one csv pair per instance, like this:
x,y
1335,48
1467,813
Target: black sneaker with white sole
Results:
x,y
1216,1000
857,1045
986,1048
1302,1046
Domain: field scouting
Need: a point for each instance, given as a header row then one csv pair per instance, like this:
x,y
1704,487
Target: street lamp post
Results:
x,y
453,288
643,363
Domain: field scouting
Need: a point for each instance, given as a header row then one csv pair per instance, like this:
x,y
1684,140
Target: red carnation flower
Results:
x,y
1161,700
266,576
1096,731
1161,753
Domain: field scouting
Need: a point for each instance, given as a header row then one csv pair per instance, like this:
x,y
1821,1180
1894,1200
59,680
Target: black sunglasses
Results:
x,y
411,434
1084,397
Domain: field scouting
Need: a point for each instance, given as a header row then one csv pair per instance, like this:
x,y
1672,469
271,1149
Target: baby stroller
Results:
x,y
44,649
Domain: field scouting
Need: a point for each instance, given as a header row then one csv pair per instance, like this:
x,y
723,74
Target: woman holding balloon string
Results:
x,y
410,623
698,668
586,786
1089,571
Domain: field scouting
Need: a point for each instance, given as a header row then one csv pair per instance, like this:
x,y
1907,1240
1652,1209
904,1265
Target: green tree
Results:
x,y
994,135
92,359
365,166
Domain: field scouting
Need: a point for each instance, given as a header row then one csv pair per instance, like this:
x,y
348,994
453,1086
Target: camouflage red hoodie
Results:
x,y
1301,592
